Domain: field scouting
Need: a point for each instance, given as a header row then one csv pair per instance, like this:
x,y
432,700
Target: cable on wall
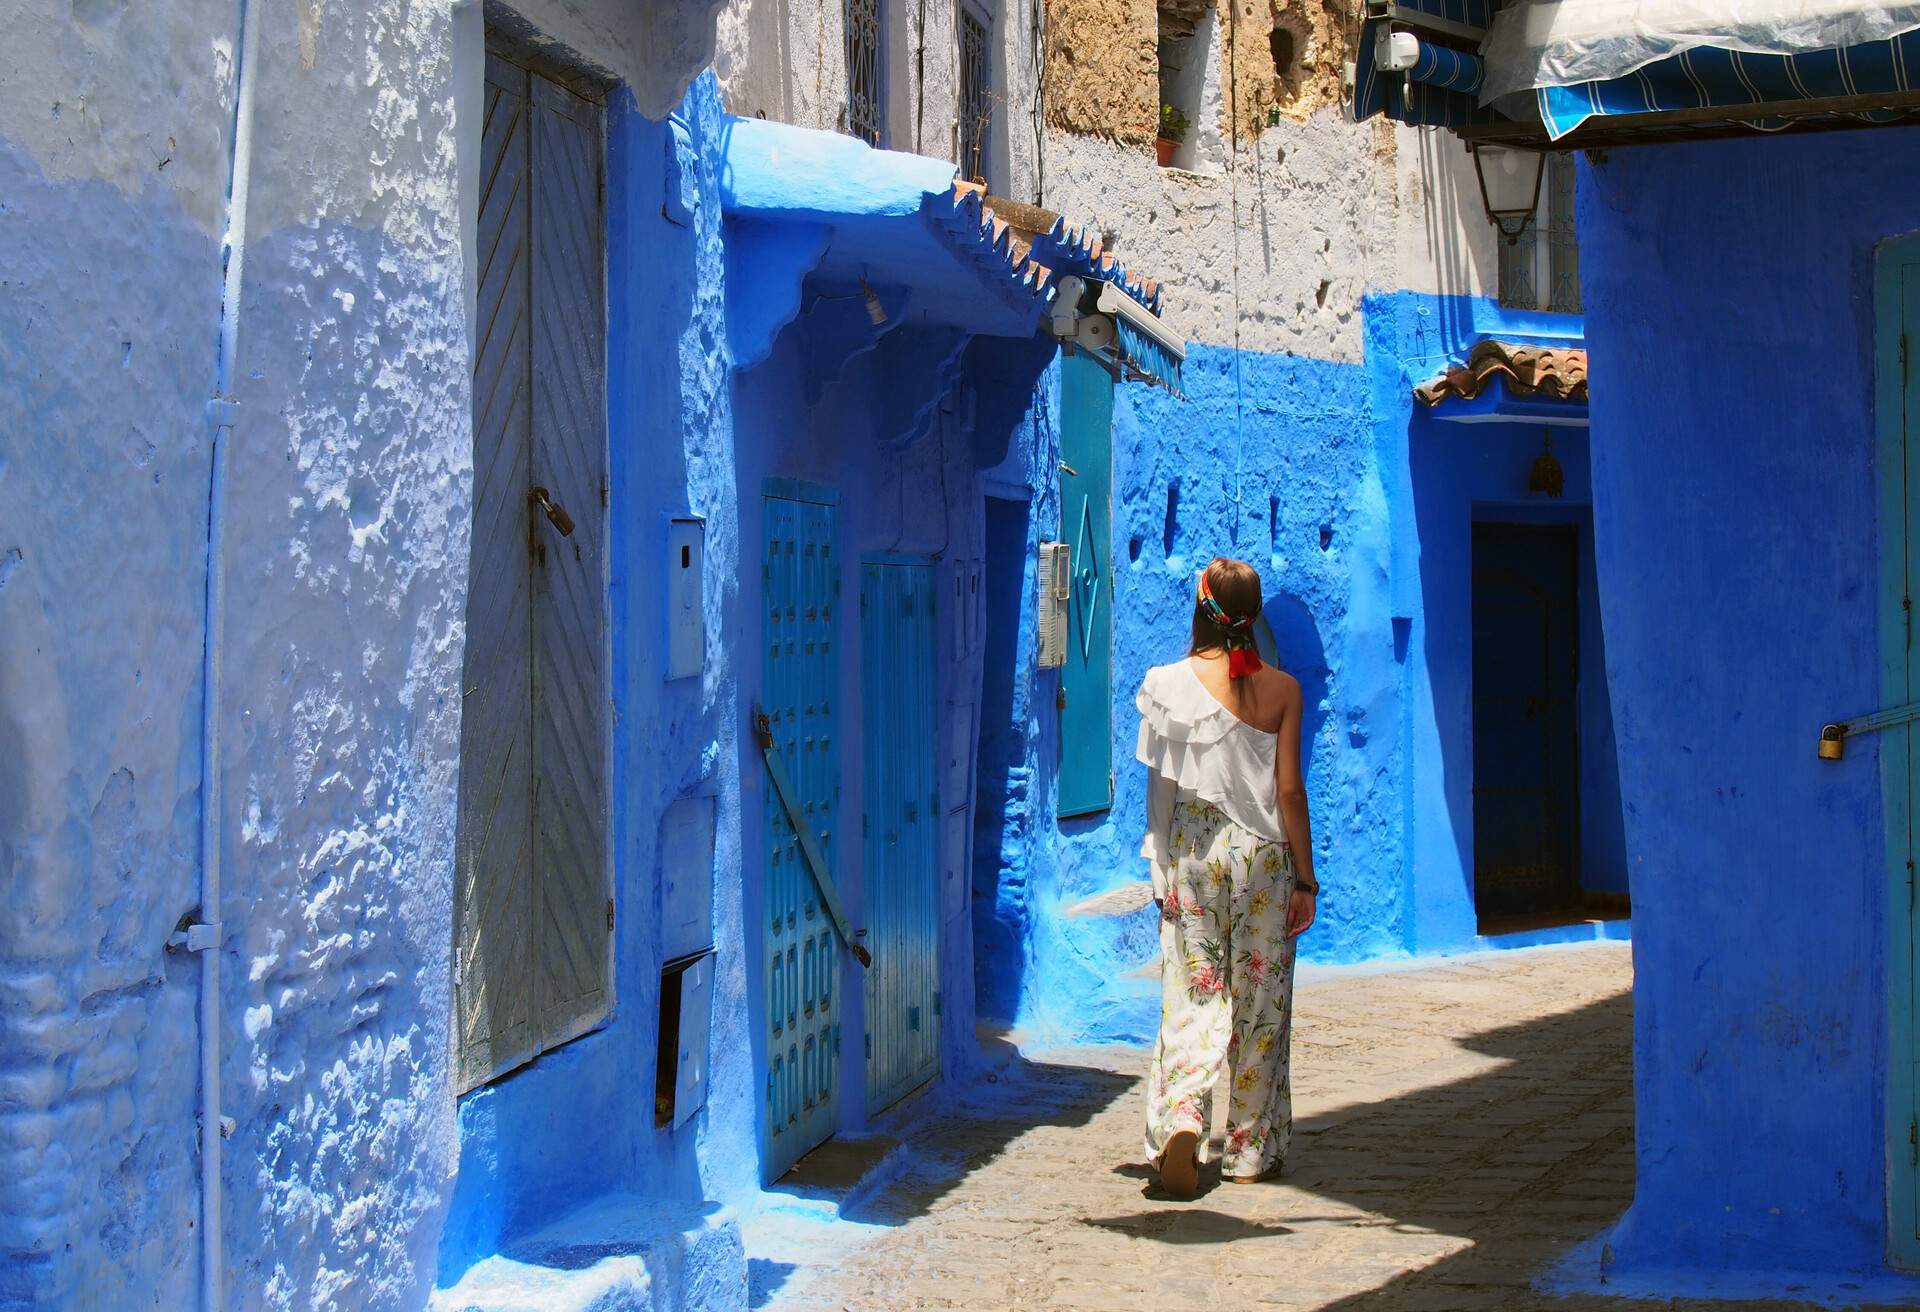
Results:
x,y
1233,185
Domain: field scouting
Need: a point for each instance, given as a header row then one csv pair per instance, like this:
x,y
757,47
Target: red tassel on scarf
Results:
x,y
1242,661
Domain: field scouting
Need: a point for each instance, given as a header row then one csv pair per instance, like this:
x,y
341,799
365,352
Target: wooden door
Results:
x,y
800,694
1086,508
1526,809
901,844
1897,405
532,907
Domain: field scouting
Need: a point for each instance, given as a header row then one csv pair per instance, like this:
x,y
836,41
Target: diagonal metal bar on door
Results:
x,y
809,846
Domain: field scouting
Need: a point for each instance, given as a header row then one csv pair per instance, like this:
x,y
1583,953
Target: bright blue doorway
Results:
x,y
801,576
1526,747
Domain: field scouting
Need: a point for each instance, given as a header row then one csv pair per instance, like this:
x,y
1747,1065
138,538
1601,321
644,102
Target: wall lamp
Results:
x,y
1509,185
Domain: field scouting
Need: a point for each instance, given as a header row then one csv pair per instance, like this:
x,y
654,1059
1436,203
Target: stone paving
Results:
x,y
1459,1126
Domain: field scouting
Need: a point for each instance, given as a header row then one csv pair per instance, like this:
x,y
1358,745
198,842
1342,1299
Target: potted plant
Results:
x,y
1173,130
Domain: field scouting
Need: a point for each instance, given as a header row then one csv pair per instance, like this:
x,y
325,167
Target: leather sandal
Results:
x,y
1179,1170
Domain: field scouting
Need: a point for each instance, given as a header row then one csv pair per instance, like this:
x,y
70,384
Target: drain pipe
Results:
x,y
205,938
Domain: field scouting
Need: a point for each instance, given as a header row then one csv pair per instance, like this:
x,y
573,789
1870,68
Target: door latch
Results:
x,y
554,511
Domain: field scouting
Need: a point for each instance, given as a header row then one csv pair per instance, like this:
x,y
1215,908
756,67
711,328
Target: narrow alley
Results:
x,y
1459,1127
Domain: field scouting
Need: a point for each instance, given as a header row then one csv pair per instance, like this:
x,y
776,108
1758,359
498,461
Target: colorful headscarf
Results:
x,y
1242,657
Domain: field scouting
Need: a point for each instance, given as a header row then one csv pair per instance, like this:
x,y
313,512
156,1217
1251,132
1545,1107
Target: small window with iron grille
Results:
x,y
1540,269
976,92
863,70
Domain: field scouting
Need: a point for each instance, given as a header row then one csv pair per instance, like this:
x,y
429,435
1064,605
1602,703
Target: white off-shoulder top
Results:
x,y
1192,745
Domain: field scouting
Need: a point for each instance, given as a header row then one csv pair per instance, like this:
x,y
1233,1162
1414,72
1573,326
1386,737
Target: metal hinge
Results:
x,y
936,1002
456,966
1909,885
609,915
869,1047
1913,1141
1903,359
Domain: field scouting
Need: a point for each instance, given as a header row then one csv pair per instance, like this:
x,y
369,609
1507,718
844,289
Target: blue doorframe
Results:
x,y
800,576
1897,410
899,686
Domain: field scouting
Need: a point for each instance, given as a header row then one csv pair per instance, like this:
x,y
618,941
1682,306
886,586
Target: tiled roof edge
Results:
x,y
1560,373
968,221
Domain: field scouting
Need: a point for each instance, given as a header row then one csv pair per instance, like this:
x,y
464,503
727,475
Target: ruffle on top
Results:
x,y
1204,749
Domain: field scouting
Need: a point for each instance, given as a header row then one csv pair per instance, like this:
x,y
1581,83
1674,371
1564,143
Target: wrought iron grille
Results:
x,y
863,70
1563,245
976,101
1519,260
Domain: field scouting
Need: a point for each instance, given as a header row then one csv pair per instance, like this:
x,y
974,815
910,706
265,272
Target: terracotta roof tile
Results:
x,y
1009,237
1560,373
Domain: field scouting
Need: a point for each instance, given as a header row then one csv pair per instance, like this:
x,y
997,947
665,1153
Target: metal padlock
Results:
x,y
1833,742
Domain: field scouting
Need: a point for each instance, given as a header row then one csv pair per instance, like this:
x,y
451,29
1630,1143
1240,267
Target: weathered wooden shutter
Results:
x,y
1086,505
492,886
569,460
532,944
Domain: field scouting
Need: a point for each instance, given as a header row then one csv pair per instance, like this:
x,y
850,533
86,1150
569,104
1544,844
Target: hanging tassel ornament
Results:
x,y
1243,658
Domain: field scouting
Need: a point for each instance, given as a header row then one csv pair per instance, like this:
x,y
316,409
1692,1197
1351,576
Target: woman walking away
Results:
x,y
1220,737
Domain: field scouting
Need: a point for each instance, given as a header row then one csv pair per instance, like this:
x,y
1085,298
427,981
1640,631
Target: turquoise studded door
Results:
x,y
898,690
1086,509
801,578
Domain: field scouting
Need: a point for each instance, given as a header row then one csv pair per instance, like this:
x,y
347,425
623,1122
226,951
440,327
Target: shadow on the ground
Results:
x,y
977,1123
1522,1160
1188,1225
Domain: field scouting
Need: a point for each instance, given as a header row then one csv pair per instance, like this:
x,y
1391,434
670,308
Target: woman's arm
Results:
x,y
1290,790
1161,793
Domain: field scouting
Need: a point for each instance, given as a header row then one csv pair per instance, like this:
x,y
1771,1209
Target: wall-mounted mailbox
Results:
x,y
686,617
686,877
686,1013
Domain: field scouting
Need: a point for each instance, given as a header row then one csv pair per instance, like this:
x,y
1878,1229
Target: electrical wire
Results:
x,y
1233,185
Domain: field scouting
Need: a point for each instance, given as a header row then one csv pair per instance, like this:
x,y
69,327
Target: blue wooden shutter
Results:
x,y
1086,506
801,681
899,667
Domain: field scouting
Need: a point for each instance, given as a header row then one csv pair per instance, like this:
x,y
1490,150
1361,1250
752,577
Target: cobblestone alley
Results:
x,y
1458,1127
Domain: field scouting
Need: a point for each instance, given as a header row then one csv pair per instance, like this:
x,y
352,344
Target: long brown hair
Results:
x,y
1236,586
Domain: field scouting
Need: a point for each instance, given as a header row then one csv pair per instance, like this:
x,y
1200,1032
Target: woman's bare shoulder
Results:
x,y
1282,683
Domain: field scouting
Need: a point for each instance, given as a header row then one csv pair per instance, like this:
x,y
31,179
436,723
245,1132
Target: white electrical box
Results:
x,y
690,1050
686,877
686,618
1054,581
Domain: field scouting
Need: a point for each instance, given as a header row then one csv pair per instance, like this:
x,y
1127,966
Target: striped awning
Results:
x,y
1703,90
1147,359
1764,92
1440,89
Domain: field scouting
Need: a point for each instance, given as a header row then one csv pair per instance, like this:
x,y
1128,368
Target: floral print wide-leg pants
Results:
x,y
1226,992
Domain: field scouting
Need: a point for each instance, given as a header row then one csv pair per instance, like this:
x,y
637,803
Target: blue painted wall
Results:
x,y
1358,513
523,1160
900,429
1729,309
